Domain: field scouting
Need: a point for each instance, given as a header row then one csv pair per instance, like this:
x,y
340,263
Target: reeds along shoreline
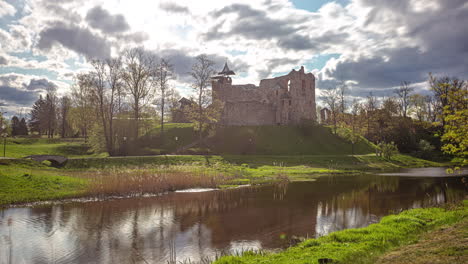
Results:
x,y
136,182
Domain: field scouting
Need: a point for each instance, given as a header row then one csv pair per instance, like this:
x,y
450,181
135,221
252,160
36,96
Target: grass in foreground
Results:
x,y
446,245
28,184
361,245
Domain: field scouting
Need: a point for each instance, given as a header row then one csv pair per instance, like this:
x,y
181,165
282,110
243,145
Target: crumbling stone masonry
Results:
x,y
284,100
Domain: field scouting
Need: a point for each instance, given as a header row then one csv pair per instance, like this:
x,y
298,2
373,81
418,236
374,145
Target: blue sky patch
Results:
x,y
314,5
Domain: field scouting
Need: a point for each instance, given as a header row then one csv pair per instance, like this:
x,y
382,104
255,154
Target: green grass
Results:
x,y
361,245
21,147
262,162
22,182
445,245
258,140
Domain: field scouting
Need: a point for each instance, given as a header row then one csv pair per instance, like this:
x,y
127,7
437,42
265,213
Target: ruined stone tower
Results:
x,y
284,100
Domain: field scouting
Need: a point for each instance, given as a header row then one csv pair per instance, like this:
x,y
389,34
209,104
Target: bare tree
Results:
x,y
432,106
100,98
202,72
136,77
442,87
163,74
419,106
403,93
50,113
81,113
113,75
331,98
355,107
342,89
370,107
65,105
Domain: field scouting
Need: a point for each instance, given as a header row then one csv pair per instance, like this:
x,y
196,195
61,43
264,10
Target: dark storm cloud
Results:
x,y
58,9
3,60
443,47
136,37
174,8
15,96
272,64
78,39
101,19
299,42
257,25
25,94
40,84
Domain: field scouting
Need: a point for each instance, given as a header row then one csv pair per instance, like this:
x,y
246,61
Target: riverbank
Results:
x,y
27,181
445,245
366,245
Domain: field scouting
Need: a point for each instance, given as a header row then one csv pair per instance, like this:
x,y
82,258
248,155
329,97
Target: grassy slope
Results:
x,y
361,245
23,182
446,245
334,162
259,140
21,147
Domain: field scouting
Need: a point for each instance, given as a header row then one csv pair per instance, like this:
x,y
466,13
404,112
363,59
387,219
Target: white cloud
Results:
x,y
6,9
380,42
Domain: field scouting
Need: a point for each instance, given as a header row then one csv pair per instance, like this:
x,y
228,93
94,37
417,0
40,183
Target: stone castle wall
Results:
x,y
284,100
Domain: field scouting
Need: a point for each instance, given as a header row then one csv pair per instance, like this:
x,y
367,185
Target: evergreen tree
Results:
x,y
15,129
37,113
23,128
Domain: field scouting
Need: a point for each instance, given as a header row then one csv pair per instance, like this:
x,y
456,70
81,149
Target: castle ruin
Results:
x,y
284,100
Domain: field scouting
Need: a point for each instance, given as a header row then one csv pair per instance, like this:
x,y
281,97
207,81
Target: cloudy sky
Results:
x,y
373,45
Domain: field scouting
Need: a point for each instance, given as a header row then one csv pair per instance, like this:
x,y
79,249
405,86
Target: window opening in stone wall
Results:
x,y
289,102
289,86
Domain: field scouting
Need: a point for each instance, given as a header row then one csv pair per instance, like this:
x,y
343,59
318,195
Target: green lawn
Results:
x,y
361,245
23,182
21,147
330,162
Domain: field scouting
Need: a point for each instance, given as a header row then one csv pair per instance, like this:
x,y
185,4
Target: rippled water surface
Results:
x,y
195,225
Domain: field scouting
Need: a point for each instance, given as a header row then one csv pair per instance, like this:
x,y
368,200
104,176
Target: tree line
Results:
x,y
122,98
413,122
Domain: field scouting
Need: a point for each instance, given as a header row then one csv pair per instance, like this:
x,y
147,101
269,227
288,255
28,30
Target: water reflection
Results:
x,y
196,225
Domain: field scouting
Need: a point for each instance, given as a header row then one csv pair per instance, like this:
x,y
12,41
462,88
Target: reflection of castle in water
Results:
x,y
200,224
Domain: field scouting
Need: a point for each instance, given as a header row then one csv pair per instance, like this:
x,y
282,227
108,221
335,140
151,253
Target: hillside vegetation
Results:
x,y
69,147
254,140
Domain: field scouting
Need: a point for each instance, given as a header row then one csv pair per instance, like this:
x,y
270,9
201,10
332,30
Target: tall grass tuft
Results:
x,y
151,180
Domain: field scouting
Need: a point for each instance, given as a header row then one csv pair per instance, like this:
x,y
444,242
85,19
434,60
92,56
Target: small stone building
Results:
x,y
325,115
179,114
284,100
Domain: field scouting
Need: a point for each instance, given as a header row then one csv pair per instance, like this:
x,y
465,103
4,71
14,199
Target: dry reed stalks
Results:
x,y
137,182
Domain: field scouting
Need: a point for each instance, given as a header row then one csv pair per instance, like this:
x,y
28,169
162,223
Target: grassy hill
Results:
x,y
69,147
258,140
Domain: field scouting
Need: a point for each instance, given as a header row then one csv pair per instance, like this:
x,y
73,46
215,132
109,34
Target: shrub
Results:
x,y
386,150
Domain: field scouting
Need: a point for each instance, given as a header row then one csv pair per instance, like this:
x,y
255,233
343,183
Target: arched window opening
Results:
x,y
289,86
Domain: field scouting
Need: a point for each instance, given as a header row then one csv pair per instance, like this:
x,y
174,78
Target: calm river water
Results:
x,y
203,224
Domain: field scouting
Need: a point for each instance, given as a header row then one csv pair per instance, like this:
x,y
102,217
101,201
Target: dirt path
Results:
x,y
445,245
